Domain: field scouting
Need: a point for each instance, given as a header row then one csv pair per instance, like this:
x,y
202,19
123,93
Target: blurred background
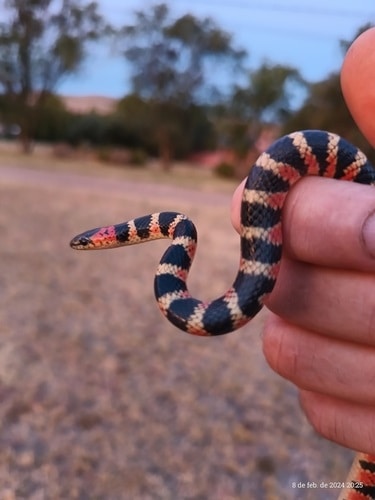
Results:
x,y
110,111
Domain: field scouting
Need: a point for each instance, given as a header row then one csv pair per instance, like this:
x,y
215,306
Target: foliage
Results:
x,y
267,95
133,112
325,109
187,126
167,59
265,98
86,129
53,120
41,42
345,44
127,127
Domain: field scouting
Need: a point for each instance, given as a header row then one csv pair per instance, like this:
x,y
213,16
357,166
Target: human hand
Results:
x,y
321,332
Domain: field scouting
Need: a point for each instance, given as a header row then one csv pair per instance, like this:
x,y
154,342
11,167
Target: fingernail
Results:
x,y
368,234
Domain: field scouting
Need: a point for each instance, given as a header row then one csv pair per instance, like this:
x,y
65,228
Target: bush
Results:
x,y
225,170
137,158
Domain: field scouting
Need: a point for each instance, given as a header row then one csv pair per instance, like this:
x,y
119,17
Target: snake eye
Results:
x,y
80,242
84,241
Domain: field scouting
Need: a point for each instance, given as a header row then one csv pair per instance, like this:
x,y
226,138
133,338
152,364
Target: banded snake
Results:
x,y
310,152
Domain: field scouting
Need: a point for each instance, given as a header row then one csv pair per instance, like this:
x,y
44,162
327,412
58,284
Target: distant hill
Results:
x,y
86,104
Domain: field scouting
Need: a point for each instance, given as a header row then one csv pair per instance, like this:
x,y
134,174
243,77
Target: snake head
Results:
x,y
81,242
96,239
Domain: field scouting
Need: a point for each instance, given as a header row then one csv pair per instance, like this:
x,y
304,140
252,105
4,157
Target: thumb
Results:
x,y
357,82
326,222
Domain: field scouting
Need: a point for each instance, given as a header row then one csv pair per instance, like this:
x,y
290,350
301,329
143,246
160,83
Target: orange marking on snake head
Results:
x,y
104,237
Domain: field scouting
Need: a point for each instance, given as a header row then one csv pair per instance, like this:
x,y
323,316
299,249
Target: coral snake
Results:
x,y
310,152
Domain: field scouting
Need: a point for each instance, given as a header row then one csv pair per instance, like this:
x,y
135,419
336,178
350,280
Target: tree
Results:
x,y
192,131
41,41
53,120
266,98
325,108
345,44
169,61
267,95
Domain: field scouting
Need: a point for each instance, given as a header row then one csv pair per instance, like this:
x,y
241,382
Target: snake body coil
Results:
x,y
276,170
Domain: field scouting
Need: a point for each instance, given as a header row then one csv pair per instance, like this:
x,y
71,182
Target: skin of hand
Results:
x,y
320,333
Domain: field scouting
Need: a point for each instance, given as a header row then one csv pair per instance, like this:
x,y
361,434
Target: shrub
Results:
x,y
137,158
225,170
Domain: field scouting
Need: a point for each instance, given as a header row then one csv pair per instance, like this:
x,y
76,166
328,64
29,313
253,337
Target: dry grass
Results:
x,y
100,397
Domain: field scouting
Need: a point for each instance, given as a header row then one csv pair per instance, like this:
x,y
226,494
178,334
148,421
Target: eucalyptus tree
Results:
x,y
171,64
325,107
265,98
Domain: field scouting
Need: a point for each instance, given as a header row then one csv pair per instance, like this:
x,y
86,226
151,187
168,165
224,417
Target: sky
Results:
x,y
304,35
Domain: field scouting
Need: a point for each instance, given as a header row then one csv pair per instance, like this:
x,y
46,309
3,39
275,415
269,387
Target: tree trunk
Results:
x,y
165,150
29,123
26,143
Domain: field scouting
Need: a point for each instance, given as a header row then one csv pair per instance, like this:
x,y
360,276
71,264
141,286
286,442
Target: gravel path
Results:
x,y
100,397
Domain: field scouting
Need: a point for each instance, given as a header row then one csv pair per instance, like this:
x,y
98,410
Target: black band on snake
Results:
x,y
310,152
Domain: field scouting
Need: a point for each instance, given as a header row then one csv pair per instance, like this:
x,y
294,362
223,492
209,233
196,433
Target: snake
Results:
x,y
289,158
